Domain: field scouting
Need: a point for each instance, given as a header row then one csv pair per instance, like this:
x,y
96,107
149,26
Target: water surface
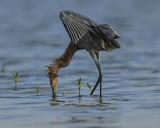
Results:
x,y
32,35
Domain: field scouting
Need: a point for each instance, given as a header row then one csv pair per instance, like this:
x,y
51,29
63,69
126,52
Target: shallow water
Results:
x,y
31,36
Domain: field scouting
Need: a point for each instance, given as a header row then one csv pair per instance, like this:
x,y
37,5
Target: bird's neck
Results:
x,y
59,63
66,58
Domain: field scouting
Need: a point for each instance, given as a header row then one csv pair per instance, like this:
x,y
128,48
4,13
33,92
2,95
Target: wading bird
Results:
x,y
84,34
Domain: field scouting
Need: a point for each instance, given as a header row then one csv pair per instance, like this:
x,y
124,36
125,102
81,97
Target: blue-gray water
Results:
x,y
32,35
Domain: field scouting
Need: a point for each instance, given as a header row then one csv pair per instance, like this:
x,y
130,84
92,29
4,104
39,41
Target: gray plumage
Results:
x,y
91,36
78,25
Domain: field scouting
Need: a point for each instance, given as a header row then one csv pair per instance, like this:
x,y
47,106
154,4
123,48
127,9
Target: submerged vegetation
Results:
x,y
15,79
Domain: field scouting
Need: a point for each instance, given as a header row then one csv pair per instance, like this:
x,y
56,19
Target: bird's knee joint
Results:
x,y
100,75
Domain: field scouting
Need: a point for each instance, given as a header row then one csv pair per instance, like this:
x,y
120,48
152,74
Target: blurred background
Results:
x,y
32,36
31,30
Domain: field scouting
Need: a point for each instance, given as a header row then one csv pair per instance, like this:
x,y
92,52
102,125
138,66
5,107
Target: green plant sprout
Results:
x,y
15,79
37,90
89,86
79,85
63,94
3,68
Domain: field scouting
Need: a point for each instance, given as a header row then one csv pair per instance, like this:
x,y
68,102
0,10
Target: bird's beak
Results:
x,y
54,84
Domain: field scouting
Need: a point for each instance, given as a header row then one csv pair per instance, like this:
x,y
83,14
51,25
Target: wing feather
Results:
x,y
71,32
80,29
76,31
68,30
99,31
110,32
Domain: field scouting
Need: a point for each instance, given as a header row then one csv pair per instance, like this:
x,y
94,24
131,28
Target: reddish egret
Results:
x,y
84,34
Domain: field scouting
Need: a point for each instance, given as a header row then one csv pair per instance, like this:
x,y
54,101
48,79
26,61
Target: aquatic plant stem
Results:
x,y
79,92
15,86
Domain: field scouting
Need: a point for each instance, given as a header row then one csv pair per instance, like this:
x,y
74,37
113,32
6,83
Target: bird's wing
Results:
x,y
110,32
78,25
92,25
75,29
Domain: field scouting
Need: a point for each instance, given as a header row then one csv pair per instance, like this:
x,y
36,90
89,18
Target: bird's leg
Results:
x,y
98,56
100,73
99,69
95,86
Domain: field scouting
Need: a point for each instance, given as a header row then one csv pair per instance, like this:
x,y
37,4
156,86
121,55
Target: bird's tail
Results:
x,y
110,47
115,43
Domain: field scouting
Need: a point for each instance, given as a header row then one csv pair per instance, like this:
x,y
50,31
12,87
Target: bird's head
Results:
x,y
53,77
